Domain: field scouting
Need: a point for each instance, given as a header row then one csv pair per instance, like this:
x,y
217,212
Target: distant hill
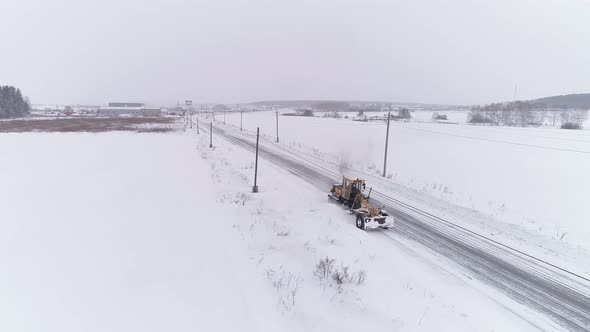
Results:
x,y
332,105
317,105
290,103
580,100
310,103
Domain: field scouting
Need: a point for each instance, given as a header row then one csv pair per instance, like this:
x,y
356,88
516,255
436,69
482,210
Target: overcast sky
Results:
x,y
160,51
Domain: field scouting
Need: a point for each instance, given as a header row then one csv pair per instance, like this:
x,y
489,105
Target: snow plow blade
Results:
x,y
378,222
364,221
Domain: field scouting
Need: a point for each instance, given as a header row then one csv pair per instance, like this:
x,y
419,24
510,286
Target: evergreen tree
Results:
x,y
12,103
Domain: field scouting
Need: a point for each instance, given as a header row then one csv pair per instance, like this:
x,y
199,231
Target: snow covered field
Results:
x,y
113,232
536,178
157,232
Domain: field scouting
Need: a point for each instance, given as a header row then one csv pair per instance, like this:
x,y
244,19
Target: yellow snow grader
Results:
x,y
351,192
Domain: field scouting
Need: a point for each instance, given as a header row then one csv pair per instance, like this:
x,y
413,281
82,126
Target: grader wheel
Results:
x,y
360,222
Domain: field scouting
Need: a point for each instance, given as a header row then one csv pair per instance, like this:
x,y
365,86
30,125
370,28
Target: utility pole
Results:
x,y
197,124
189,114
255,187
241,120
386,143
277,126
223,117
211,135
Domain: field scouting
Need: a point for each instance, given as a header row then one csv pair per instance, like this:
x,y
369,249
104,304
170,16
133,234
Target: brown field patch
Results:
x,y
90,125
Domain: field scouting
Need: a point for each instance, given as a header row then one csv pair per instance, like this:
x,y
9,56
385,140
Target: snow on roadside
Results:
x,y
118,232
290,226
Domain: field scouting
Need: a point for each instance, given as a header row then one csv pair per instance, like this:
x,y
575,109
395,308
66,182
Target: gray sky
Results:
x,y
158,51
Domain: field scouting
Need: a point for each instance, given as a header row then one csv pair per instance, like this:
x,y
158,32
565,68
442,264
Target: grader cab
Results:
x,y
351,192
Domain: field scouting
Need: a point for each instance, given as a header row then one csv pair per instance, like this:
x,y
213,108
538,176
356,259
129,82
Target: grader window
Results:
x,y
356,187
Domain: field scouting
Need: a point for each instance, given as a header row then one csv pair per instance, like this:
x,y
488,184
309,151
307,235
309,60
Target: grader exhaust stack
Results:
x,y
352,194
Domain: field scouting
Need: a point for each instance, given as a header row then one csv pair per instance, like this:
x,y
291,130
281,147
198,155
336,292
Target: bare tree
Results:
x,y
554,115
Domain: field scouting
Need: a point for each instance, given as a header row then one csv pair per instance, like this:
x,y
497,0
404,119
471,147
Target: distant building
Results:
x,y
126,105
152,112
128,109
176,111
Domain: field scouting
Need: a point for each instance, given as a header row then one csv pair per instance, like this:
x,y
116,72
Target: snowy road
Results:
x,y
556,294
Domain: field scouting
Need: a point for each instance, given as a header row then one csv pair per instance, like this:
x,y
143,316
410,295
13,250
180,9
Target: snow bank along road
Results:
x,y
561,295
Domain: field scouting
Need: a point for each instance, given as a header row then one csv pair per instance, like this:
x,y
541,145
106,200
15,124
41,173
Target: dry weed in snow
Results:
x,y
287,285
332,275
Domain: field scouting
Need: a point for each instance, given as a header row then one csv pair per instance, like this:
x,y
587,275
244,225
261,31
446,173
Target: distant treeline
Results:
x,y
348,107
328,106
577,101
12,103
524,114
